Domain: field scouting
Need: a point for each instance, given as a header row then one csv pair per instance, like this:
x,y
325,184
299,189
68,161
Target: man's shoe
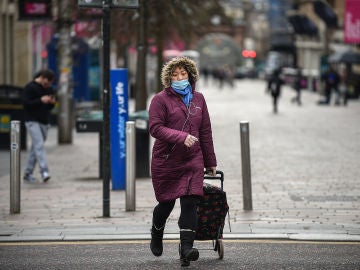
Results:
x,y
45,176
29,178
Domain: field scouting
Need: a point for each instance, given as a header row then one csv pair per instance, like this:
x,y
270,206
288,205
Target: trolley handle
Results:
x,y
219,176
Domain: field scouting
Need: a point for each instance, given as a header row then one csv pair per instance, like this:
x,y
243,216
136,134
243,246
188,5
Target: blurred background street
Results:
x,y
291,68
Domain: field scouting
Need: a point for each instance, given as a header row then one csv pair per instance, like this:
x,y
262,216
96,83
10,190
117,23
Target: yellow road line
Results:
x,y
117,242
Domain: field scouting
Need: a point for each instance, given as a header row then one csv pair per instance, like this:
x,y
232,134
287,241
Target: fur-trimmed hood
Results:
x,y
182,61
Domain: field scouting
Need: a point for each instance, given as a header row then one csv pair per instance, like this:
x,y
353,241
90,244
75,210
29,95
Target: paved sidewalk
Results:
x,y
304,164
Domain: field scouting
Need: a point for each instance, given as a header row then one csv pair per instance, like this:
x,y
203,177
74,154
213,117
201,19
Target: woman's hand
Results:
x,y
211,171
190,140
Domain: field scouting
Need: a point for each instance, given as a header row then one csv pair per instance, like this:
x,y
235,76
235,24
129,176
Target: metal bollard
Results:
x,y
15,146
130,166
245,162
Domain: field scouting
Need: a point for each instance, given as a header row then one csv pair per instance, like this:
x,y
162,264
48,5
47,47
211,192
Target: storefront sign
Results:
x,y
35,10
352,21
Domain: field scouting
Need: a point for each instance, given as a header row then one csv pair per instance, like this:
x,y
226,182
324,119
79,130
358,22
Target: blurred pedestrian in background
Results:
x,y
180,123
331,81
297,86
219,74
274,87
206,72
38,101
343,91
229,75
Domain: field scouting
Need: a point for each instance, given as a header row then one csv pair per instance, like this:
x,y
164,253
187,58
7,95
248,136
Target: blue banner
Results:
x,y
118,117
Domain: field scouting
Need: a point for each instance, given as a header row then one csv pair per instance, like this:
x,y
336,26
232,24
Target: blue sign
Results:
x,y
118,117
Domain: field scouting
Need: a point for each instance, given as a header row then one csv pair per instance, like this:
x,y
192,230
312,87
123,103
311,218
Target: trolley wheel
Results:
x,y
220,248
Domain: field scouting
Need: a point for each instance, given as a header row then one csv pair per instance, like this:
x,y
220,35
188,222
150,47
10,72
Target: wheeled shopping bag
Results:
x,y
212,210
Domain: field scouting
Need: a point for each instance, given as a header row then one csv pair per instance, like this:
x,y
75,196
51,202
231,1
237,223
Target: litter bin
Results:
x,y
92,121
11,108
141,119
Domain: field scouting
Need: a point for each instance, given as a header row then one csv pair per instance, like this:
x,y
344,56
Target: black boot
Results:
x,y
188,253
156,244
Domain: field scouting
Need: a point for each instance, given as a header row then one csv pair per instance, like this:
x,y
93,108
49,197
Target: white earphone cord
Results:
x,y
182,129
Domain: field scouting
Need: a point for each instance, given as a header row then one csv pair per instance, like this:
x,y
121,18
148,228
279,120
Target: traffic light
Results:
x,y
248,54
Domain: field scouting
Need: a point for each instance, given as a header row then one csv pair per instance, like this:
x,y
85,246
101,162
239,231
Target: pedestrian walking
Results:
x,y
331,79
274,87
38,101
180,123
342,94
297,87
206,72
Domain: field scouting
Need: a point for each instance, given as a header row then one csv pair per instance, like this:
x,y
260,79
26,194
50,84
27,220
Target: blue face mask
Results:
x,y
180,84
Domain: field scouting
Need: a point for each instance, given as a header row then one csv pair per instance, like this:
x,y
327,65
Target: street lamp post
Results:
x,y
106,107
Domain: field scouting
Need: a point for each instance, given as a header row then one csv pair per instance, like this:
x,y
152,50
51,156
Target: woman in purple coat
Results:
x,y
180,123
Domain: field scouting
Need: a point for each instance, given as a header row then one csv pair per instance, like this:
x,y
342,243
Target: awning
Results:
x,y
303,25
326,13
347,57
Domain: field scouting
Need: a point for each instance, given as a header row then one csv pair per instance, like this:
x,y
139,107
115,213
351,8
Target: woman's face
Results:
x,y
179,74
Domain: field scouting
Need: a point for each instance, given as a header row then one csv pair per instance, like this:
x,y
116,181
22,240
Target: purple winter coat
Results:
x,y
176,169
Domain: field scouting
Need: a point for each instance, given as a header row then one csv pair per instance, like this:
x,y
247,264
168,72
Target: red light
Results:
x,y
44,54
248,53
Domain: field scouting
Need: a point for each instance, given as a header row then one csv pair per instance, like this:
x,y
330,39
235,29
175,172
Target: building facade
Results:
x,y
15,50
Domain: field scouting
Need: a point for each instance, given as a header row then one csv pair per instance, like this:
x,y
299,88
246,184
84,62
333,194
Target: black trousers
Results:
x,y
188,216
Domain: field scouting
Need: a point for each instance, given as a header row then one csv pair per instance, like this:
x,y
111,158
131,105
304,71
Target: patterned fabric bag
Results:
x,y
212,210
